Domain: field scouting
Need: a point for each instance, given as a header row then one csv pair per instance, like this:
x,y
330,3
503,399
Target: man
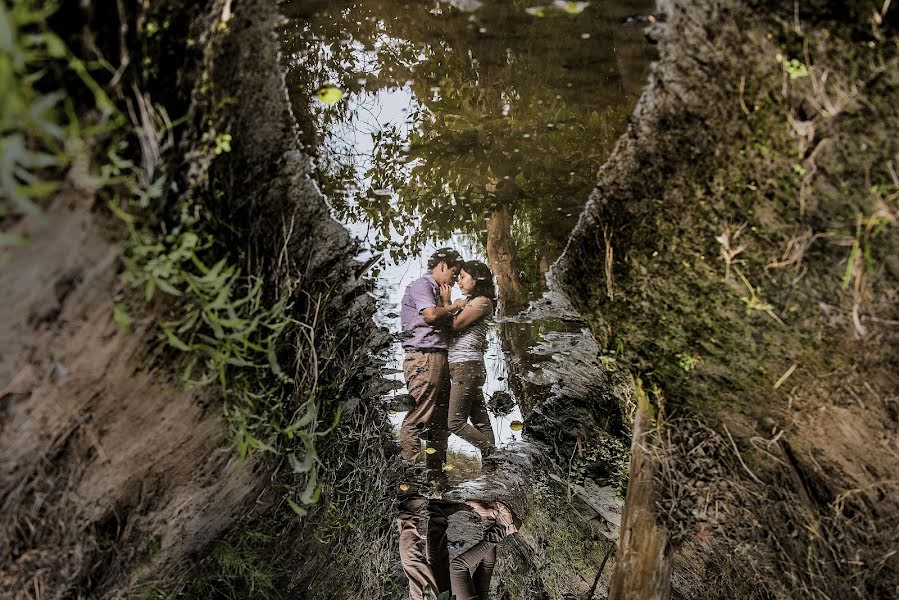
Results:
x,y
425,313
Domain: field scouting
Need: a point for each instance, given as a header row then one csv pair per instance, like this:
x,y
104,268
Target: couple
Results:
x,y
444,363
426,560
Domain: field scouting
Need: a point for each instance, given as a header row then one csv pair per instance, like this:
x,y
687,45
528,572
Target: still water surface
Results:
x,y
479,126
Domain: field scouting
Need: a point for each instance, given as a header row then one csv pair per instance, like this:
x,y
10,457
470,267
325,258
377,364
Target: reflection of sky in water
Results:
x,y
371,112
525,105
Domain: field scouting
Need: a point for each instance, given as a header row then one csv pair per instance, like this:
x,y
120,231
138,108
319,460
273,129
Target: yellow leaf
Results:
x,y
537,11
572,8
430,450
516,425
329,94
404,487
449,467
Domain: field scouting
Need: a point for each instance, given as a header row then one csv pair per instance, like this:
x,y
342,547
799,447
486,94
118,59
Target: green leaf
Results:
x,y
329,94
536,11
41,189
795,68
6,32
121,316
850,265
301,512
8,239
166,287
303,466
312,492
30,208
174,340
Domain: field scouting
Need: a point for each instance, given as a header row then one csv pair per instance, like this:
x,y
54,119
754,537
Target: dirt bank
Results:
x,y
116,477
742,247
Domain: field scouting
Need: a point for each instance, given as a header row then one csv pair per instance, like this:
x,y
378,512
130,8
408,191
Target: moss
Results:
x,y
561,552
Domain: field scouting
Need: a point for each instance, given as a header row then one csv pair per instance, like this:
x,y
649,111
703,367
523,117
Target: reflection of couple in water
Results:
x,y
428,565
444,372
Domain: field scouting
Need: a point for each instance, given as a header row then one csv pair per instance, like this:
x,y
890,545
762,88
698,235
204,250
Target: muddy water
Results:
x,y
479,126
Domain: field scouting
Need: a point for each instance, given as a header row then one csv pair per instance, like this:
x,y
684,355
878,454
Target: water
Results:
x,y
479,126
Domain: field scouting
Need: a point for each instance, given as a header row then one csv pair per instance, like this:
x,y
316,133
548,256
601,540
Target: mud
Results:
x,y
108,463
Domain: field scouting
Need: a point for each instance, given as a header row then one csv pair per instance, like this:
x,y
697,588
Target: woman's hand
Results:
x,y
445,292
460,303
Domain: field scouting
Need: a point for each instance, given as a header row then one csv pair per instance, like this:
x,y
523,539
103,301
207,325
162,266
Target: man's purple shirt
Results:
x,y
421,294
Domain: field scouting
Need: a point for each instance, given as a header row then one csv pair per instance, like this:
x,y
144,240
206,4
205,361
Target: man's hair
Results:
x,y
447,255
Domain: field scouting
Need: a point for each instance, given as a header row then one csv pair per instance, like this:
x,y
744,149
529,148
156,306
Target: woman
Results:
x,y
466,358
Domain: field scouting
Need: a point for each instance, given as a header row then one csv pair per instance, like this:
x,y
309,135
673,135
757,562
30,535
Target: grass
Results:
x,y
557,552
719,315
40,133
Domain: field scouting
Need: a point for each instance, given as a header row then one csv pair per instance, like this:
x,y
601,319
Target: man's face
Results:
x,y
445,274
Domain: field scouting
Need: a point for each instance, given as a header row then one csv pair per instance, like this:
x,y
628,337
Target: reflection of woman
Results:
x,y
466,358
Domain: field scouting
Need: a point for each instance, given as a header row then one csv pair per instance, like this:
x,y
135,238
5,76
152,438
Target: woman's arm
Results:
x,y
473,312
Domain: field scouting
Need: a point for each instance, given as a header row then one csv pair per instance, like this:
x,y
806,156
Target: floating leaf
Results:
x,y
449,467
430,450
329,94
516,425
572,8
404,487
536,11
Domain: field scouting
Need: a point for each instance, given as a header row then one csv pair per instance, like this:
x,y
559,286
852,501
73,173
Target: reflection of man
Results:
x,y
425,311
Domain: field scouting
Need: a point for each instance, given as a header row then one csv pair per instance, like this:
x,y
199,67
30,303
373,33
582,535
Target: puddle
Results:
x,y
475,125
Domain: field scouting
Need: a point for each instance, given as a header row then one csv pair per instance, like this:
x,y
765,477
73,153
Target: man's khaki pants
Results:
x,y
427,378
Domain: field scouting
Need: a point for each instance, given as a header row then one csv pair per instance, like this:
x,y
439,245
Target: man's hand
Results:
x,y
460,304
445,293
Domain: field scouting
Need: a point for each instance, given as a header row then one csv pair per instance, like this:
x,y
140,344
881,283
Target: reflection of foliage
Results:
x,y
516,113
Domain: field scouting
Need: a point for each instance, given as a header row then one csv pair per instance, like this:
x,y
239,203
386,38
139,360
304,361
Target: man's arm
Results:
x,y
440,315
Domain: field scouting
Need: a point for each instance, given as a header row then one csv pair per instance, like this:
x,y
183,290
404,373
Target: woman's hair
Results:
x,y
484,280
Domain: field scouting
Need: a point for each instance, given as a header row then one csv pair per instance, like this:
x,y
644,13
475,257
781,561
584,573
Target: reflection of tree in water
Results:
x,y
512,116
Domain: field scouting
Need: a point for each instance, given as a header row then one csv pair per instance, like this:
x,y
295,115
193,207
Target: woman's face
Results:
x,y
466,282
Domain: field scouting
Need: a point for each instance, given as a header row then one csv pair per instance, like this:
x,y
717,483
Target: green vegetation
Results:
x,y
40,132
757,260
561,553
